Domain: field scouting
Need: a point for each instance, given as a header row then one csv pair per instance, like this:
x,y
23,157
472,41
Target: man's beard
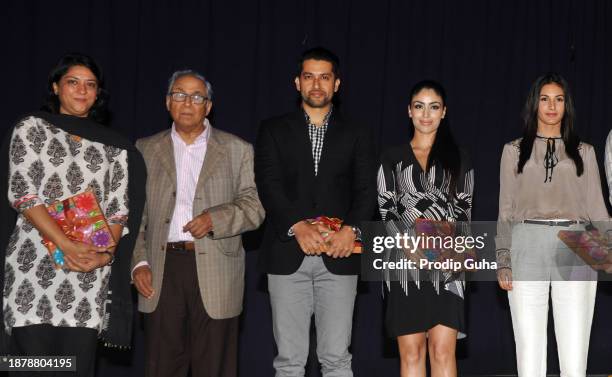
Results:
x,y
322,102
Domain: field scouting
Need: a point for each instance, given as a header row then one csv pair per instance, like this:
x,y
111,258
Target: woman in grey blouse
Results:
x,y
549,181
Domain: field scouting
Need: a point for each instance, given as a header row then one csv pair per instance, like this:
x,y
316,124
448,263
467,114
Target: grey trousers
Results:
x,y
294,298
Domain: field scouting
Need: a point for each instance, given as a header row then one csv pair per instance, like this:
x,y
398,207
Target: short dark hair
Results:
x,y
99,110
320,53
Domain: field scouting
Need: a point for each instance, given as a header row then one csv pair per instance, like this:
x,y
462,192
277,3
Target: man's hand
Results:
x,y
309,238
504,278
341,244
199,226
143,281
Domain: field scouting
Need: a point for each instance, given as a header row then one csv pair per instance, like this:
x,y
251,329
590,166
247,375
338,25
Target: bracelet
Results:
x,y
112,258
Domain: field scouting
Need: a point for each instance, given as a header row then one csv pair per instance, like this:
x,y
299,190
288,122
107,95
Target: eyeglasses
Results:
x,y
196,99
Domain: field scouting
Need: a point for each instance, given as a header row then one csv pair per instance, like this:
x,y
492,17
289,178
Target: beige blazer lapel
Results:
x,y
165,154
214,152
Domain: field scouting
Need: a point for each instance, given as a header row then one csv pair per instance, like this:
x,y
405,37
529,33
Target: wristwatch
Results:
x,y
357,232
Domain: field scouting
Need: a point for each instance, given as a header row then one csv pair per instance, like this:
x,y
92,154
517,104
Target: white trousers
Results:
x,y
573,302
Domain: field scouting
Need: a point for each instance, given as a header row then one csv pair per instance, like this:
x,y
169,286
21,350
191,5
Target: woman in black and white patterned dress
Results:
x,y
429,178
54,155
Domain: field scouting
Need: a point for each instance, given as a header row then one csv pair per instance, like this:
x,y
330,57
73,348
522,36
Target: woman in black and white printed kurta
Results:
x,y
48,164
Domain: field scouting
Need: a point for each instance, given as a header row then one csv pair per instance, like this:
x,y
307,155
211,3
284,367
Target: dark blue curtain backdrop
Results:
x,y
486,53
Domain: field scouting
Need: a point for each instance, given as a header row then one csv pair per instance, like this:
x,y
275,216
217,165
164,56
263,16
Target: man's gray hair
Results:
x,y
190,72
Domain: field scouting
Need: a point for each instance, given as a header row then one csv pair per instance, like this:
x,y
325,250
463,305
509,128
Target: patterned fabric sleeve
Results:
x,y
25,167
462,202
389,204
117,203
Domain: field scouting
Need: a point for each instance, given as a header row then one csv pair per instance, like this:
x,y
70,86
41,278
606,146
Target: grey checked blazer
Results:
x,y
226,189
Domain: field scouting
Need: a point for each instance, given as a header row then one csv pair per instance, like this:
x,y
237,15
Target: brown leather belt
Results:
x,y
180,246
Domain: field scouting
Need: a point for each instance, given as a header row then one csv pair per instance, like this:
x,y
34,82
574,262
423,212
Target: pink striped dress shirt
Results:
x,y
188,160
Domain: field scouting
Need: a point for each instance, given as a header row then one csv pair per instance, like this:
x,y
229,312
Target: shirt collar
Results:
x,y
201,139
325,120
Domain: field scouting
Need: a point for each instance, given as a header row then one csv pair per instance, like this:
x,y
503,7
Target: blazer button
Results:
x,y
167,221
174,194
162,248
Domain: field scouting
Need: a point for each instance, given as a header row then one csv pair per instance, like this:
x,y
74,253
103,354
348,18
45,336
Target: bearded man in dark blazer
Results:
x,y
309,163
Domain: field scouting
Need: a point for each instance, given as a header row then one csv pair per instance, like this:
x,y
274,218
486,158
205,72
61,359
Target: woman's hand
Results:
x,y
417,256
89,262
98,260
504,278
81,257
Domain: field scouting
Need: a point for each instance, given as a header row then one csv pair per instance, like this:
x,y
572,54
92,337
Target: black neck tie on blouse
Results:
x,y
550,158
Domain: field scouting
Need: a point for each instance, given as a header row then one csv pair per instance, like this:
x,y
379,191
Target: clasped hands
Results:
x,y
82,257
317,239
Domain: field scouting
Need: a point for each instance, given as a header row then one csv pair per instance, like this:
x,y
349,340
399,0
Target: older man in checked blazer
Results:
x,y
188,265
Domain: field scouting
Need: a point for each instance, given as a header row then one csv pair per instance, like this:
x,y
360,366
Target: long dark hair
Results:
x,y
444,151
530,119
99,110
